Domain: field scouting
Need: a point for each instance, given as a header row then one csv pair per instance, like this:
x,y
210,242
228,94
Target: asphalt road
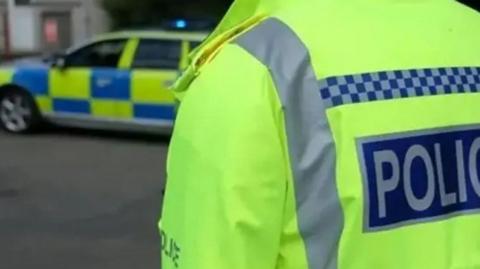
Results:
x,y
72,199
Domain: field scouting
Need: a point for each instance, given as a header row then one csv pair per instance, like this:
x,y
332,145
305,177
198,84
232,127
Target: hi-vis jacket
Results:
x,y
329,134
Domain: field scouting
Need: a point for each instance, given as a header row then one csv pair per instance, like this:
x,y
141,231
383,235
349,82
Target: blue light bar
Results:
x,y
181,24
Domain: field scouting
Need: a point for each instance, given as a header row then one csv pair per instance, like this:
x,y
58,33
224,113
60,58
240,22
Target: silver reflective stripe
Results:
x,y
310,140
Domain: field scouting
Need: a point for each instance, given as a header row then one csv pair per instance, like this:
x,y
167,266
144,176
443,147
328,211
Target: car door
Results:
x,y
90,85
155,67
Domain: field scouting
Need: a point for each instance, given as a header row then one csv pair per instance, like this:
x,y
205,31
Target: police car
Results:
x,y
116,81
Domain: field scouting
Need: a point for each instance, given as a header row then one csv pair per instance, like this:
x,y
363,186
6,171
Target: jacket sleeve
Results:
x,y
227,170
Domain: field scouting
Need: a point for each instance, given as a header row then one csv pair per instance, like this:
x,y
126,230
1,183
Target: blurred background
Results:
x,y
73,198
40,26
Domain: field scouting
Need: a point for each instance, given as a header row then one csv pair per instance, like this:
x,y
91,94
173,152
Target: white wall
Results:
x,y
88,19
99,21
24,32
2,31
79,31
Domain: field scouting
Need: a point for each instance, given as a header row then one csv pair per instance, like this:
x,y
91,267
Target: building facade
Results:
x,y
46,26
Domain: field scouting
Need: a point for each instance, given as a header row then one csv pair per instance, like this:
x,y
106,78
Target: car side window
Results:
x,y
101,54
157,54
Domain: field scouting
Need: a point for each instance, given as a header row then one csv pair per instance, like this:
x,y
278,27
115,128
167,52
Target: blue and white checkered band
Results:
x,y
352,89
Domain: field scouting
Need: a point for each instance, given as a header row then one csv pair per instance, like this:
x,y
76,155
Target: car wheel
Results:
x,y
18,112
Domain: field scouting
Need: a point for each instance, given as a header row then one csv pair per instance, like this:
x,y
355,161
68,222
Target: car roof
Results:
x,y
165,35
192,36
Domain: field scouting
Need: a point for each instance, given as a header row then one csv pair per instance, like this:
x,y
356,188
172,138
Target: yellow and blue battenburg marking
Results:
x,y
35,80
108,93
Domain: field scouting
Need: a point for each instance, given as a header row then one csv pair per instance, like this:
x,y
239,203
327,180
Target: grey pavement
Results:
x,y
72,199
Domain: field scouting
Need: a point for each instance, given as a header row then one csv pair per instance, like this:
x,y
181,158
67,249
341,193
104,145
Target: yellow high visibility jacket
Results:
x,y
329,134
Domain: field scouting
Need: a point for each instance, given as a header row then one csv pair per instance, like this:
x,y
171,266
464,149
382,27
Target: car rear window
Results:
x,y
157,54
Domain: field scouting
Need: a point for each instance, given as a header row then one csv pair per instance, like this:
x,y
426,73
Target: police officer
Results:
x,y
329,134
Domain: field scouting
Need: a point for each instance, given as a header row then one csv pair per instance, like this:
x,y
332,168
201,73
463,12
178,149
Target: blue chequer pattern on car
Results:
x,y
33,79
119,89
352,89
104,85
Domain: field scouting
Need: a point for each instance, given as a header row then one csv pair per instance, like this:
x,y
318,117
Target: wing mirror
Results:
x,y
60,63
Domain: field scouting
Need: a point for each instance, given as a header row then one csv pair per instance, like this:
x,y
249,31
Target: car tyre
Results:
x,y
18,112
